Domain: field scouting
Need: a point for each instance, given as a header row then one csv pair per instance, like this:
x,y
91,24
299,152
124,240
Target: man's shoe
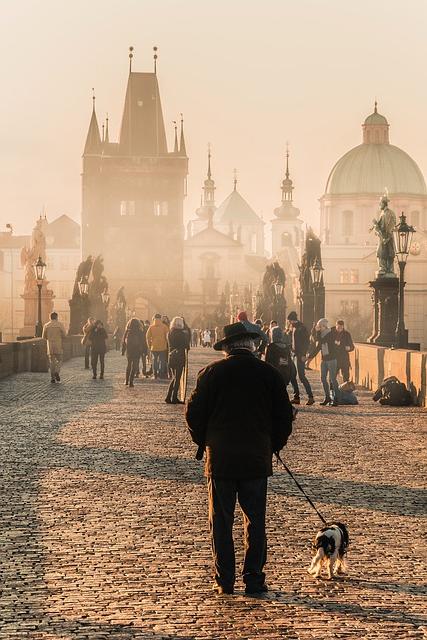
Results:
x,y
57,377
223,590
310,401
254,590
168,401
296,400
334,403
53,380
131,384
101,377
94,376
325,402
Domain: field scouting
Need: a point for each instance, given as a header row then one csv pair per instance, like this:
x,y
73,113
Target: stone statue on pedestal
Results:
x,y
383,228
29,256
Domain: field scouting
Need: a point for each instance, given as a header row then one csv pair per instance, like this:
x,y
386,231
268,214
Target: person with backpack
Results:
x,y
133,346
98,339
278,354
300,346
179,344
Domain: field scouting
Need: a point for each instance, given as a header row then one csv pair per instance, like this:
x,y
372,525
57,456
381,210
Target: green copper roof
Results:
x,y
236,210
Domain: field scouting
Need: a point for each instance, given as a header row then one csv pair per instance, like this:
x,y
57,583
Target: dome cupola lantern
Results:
x,y
375,128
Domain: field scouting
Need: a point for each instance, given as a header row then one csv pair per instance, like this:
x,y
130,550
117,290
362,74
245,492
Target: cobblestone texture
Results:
x,y
104,528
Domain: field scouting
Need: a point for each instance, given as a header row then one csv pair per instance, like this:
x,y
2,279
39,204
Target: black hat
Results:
x,y
233,331
292,317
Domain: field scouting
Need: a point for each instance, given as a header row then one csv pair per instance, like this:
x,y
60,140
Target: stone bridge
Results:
x,y
103,519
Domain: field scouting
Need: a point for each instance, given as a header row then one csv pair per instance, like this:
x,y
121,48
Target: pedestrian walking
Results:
x,y
98,338
300,346
195,338
207,338
179,344
87,328
278,354
118,337
344,346
54,334
325,344
239,413
133,346
157,343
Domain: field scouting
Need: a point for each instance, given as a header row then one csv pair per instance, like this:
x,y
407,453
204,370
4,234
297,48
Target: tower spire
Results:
x,y
235,179
375,106
175,146
130,59
287,185
93,138
209,161
182,149
155,56
287,161
107,134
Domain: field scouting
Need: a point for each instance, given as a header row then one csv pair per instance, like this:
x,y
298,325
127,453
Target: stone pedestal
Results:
x,y
79,313
385,300
31,300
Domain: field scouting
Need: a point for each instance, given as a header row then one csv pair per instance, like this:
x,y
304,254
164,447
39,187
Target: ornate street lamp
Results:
x,y
278,289
39,272
316,271
402,234
84,286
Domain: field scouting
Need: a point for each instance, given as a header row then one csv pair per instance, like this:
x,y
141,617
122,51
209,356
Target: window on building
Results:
x,y
344,276
160,208
50,262
354,276
349,308
415,219
347,223
1,261
127,208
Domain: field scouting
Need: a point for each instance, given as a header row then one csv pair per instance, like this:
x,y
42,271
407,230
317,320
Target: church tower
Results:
x,y
286,227
132,199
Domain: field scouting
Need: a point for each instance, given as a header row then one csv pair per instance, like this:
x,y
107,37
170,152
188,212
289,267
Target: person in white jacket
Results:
x,y
54,333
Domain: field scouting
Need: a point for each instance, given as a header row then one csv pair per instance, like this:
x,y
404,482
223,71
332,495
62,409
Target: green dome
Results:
x,y
369,168
376,118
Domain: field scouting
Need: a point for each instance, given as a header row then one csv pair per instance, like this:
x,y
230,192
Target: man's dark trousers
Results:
x,y
252,497
87,355
303,377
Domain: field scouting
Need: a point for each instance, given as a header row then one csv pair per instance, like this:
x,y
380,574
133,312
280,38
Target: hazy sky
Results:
x,y
247,75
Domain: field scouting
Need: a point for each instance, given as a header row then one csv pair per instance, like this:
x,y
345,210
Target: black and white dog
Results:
x,y
330,546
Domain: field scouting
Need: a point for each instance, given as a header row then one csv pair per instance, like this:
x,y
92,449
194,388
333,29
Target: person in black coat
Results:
x,y
325,344
178,344
344,345
98,339
300,347
278,354
239,413
133,345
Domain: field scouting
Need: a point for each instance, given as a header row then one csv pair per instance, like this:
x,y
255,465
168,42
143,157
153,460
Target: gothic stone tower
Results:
x,y
132,201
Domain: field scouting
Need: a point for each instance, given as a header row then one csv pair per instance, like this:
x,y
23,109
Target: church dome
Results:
x,y
375,165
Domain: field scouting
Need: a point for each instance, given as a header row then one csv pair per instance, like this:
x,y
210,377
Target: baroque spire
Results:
x,y
93,138
182,148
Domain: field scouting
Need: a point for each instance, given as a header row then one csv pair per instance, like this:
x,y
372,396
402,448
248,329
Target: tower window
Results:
x,y
347,223
160,208
127,208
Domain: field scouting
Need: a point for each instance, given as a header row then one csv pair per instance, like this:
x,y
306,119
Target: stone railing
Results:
x,y
31,355
371,364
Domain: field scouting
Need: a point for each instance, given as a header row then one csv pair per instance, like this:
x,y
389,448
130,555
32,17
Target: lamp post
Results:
x,y
402,234
39,272
316,271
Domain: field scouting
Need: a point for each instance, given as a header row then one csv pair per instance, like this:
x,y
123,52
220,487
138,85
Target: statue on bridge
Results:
x,y
383,228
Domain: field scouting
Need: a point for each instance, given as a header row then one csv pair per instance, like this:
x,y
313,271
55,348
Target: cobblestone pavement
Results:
x,y
104,527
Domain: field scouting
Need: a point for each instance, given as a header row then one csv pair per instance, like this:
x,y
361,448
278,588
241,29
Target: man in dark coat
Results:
x,y
344,345
300,346
239,413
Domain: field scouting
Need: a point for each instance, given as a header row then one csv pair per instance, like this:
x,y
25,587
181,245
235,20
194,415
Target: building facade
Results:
x,y
132,200
347,208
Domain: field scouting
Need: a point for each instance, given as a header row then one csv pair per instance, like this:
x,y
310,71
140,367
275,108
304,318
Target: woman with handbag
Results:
x,y
179,344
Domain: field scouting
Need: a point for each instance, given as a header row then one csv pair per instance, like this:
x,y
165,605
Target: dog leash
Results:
x,y
301,489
